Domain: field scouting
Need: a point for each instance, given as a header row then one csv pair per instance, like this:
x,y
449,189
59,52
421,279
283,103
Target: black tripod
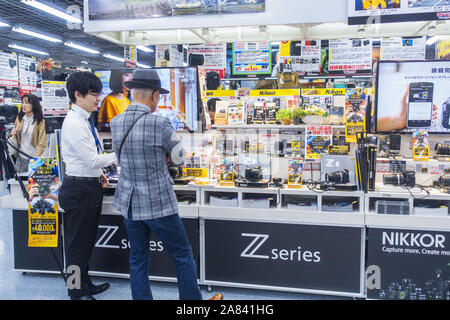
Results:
x,y
8,171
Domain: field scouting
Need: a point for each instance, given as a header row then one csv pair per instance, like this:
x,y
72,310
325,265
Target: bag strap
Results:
x,y
128,132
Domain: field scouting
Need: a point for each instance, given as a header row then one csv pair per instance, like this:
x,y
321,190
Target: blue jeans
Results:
x,y
171,232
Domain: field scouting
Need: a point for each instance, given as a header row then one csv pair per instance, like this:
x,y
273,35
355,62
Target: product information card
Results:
x,y
350,57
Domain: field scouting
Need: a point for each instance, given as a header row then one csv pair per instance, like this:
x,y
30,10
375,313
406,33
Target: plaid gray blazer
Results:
x,y
144,180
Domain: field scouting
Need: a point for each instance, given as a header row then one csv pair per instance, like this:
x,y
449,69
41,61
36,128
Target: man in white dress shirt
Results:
x,y
81,192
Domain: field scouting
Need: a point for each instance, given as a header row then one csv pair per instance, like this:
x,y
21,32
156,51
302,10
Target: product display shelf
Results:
x,y
418,218
278,211
268,127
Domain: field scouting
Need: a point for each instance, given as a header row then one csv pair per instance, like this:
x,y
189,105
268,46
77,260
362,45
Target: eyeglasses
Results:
x,y
97,95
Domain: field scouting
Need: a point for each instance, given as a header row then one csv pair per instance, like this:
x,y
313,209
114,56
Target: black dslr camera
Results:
x,y
253,174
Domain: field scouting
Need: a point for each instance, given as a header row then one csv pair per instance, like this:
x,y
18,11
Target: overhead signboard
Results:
x,y
376,11
143,9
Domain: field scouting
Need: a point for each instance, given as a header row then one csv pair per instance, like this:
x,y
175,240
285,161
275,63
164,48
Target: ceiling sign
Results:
x,y
385,11
144,9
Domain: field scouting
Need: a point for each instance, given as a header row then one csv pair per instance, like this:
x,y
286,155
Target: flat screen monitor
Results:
x,y
180,106
413,96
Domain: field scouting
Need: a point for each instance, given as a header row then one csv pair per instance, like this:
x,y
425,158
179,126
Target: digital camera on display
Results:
x,y
253,174
446,114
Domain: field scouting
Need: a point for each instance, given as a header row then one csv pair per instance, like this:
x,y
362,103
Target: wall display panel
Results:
x,y
398,48
250,58
413,95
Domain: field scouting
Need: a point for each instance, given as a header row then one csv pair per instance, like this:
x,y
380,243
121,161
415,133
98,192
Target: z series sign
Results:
x,y
284,255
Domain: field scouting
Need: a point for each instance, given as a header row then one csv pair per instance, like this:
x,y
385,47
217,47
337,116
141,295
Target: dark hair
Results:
x,y
212,104
83,82
116,80
37,109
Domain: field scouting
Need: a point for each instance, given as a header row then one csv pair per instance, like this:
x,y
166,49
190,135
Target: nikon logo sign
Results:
x,y
410,239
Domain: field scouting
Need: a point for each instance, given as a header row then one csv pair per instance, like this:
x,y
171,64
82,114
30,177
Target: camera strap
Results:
x,y
128,132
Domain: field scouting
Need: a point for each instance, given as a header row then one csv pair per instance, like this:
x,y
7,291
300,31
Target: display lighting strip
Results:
x,y
82,48
145,49
14,46
52,11
2,24
35,34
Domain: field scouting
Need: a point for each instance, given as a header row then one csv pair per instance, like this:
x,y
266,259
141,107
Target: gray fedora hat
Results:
x,y
145,78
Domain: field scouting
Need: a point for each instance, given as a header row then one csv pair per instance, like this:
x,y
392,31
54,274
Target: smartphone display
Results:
x,y
420,106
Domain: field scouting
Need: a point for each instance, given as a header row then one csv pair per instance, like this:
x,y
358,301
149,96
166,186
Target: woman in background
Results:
x,y
116,102
29,130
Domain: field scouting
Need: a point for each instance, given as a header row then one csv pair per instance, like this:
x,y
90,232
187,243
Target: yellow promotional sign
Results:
x,y
195,172
220,93
421,154
323,92
227,179
274,93
43,189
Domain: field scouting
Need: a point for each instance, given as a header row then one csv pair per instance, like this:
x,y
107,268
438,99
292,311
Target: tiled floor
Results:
x,y
33,286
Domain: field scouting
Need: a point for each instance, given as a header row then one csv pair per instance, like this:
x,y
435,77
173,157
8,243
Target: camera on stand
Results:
x,y
406,179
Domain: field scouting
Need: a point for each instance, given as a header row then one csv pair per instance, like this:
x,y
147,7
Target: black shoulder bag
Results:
x,y
128,132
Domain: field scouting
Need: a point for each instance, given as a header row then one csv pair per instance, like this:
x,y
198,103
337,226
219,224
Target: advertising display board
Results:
x,y
27,75
408,264
301,56
252,58
284,255
413,95
350,56
214,55
140,9
375,11
55,100
398,48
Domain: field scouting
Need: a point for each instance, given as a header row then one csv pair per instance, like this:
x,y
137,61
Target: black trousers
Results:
x,y
82,204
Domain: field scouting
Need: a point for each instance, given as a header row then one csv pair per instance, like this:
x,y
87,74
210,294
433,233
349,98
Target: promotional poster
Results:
x,y
43,189
412,96
318,139
301,56
398,48
355,112
295,174
350,57
55,100
252,58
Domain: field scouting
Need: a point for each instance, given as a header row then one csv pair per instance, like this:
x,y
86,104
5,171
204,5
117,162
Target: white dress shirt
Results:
x,y
78,148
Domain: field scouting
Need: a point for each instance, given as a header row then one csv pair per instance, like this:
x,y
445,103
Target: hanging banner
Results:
x,y
129,53
350,57
27,75
318,139
301,56
43,188
9,71
398,48
214,57
355,113
55,100
384,11
252,58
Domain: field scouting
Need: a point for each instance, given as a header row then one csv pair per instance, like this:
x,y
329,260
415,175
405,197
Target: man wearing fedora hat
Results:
x,y
144,143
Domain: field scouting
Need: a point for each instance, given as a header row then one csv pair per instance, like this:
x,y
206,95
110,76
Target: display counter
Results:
x,y
296,240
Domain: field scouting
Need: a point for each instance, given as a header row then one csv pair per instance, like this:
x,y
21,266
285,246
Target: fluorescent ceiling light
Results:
x,y
52,11
2,24
35,34
140,65
82,48
432,40
14,46
114,57
145,49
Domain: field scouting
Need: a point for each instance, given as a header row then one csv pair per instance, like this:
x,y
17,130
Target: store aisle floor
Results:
x,y
33,286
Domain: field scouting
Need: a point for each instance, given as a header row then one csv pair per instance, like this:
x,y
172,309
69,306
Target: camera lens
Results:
x,y
444,181
395,179
338,177
442,148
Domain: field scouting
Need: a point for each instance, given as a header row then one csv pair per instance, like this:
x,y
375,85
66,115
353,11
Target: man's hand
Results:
x,y
104,180
168,160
